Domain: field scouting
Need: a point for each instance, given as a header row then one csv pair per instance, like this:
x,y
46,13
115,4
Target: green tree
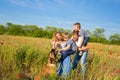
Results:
x,y
2,29
14,29
98,35
88,32
115,39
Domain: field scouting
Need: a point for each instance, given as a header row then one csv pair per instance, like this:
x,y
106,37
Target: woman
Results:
x,y
65,65
78,57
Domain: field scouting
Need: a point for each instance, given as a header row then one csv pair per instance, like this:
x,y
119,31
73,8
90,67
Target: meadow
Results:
x,y
25,56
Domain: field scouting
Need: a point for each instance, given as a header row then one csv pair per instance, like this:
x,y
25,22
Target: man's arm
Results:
x,y
84,48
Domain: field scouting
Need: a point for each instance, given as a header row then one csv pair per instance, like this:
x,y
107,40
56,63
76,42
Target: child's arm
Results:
x,y
66,48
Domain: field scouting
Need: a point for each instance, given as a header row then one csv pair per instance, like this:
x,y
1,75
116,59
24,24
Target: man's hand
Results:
x,y
80,49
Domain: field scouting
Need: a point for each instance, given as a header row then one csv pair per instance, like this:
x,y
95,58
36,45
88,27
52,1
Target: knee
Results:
x,y
64,51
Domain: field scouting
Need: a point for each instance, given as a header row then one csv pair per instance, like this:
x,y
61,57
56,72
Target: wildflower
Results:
x,y
117,71
112,75
107,68
19,75
110,52
104,63
1,42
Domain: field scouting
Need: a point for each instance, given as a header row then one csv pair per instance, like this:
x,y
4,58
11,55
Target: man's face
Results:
x,y
76,27
75,37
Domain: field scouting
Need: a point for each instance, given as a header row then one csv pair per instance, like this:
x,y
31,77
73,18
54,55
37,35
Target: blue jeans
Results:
x,y
82,61
64,67
86,39
66,53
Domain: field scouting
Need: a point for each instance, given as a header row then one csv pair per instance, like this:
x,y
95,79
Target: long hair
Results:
x,y
55,38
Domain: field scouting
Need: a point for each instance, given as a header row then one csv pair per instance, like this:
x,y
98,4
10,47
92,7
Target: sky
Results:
x,y
63,13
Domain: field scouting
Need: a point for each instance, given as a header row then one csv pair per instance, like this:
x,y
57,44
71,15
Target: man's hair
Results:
x,y
78,25
75,33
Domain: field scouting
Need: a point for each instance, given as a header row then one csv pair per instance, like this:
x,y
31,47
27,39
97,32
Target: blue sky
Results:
x,y
63,13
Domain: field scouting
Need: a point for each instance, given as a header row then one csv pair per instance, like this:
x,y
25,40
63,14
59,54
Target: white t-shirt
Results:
x,y
78,42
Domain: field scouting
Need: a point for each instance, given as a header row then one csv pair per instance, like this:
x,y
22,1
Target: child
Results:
x,y
70,47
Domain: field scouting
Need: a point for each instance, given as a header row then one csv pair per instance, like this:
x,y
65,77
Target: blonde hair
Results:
x,y
55,38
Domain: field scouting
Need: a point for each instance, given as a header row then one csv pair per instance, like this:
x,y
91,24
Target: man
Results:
x,y
82,43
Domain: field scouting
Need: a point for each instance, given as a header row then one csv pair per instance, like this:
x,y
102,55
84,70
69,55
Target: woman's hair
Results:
x,y
55,38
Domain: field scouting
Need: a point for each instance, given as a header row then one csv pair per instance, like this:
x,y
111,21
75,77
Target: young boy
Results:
x,y
70,47
65,60
82,34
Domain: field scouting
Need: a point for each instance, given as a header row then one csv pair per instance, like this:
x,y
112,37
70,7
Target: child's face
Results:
x,y
66,37
76,27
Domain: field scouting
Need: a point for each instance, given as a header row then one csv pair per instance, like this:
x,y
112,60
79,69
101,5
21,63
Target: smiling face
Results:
x,y
66,37
76,27
75,36
59,36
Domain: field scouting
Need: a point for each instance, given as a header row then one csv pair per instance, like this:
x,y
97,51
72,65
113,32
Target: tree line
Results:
x,y
34,31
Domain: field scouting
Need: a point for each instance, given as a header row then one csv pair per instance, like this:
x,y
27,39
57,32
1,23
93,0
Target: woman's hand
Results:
x,y
53,41
53,44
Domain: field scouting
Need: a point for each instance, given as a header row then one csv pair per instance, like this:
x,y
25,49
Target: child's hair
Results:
x,y
79,25
66,34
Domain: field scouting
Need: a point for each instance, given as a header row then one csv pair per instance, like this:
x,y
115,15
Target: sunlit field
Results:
x,y
25,56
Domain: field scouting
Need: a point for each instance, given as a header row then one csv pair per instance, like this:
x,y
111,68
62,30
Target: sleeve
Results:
x,y
69,42
74,47
82,33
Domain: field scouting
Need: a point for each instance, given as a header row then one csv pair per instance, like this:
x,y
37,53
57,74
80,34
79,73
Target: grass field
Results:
x,y
27,55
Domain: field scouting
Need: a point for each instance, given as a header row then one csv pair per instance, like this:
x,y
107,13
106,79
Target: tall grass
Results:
x,y
27,56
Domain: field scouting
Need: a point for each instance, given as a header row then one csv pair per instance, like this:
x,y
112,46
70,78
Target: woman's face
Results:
x,y
58,36
75,37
